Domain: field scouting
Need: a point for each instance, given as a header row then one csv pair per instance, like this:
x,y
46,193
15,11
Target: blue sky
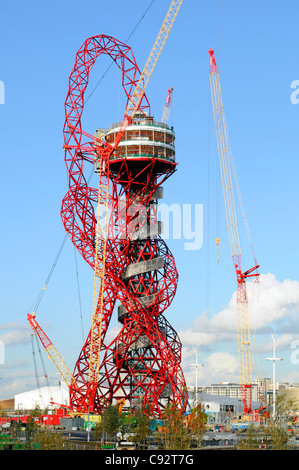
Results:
x,y
256,47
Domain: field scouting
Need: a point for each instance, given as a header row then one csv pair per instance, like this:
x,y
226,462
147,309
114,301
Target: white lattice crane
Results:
x,y
227,170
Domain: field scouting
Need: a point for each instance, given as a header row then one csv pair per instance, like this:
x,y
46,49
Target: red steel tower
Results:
x,y
133,158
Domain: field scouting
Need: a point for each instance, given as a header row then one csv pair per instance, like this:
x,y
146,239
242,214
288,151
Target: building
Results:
x,y
233,390
224,410
223,404
44,398
7,404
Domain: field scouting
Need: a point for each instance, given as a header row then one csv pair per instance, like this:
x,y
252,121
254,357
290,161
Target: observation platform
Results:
x,y
147,146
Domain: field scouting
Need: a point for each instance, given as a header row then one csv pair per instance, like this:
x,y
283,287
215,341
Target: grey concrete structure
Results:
x,y
145,301
148,231
143,267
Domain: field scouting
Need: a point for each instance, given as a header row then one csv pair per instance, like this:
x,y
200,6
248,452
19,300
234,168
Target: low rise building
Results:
x,y
44,398
233,390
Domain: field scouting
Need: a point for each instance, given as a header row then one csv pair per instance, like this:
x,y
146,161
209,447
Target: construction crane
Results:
x,y
51,350
226,170
167,106
103,194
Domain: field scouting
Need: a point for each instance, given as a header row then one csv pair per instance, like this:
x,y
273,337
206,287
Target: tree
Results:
x,y
250,439
111,420
287,404
174,433
127,422
45,439
36,412
276,436
140,428
31,429
98,431
196,422
264,437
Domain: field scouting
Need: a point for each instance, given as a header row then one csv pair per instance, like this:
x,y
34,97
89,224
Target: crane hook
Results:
x,y
217,243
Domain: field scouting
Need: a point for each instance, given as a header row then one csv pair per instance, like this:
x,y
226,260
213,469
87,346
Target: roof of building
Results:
x,y
7,404
223,400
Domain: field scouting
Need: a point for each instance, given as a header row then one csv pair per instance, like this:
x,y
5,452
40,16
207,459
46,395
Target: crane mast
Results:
x,y
226,170
99,275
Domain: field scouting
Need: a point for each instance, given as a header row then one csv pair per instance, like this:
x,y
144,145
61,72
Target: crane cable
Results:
x,y
79,293
35,369
38,299
36,305
130,35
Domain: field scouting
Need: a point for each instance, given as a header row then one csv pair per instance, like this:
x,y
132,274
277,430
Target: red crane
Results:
x,y
226,170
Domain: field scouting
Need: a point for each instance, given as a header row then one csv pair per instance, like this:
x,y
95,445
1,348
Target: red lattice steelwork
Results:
x,y
142,363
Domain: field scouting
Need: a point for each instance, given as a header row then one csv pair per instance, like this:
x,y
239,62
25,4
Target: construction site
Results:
x,y
115,227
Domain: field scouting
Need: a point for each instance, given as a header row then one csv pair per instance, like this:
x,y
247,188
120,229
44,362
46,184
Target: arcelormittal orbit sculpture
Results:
x,y
115,228
133,158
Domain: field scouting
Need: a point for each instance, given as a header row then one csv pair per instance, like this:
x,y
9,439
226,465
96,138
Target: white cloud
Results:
x,y
216,367
277,305
223,364
273,307
15,333
272,304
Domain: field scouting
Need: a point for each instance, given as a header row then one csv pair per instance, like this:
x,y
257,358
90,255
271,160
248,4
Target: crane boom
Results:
x,y
103,195
51,350
224,152
154,56
226,169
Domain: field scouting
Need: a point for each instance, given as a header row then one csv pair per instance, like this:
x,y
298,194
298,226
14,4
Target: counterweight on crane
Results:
x,y
226,170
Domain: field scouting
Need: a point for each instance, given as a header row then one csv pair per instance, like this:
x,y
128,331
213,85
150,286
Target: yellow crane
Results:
x,y
226,170
153,57
103,196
